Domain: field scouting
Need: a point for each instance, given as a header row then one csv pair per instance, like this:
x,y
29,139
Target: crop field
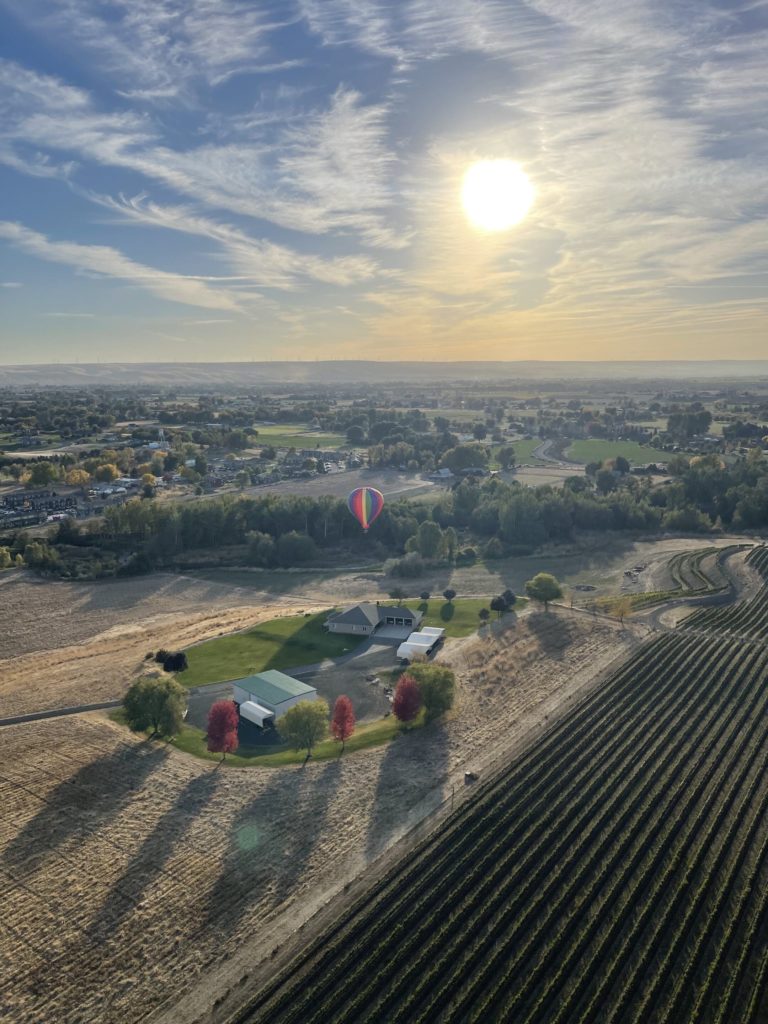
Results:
x,y
689,574
749,619
617,872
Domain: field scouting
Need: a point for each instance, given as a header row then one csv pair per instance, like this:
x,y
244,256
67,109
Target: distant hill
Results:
x,y
360,371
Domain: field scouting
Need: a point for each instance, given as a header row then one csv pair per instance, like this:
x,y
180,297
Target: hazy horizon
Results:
x,y
353,372
182,180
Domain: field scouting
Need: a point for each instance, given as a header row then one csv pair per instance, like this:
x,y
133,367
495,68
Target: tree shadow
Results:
x,y
311,644
155,851
409,785
553,632
83,803
271,841
447,611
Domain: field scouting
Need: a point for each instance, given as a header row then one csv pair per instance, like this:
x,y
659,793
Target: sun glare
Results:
x,y
496,194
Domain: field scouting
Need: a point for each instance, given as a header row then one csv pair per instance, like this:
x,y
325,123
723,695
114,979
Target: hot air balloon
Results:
x,y
365,503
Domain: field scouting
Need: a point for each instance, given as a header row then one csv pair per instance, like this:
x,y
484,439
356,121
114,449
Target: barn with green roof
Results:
x,y
264,697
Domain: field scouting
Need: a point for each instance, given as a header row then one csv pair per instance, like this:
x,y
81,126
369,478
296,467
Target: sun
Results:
x,y
496,194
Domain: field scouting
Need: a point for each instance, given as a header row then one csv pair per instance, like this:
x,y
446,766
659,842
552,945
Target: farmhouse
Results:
x,y
368,618
263,698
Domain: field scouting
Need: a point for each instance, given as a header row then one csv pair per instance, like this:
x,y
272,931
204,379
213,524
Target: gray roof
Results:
x,y
365,614
273,687
368,614
400,611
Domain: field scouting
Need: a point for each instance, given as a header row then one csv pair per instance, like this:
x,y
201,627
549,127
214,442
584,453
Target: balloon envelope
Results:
x,y
365,503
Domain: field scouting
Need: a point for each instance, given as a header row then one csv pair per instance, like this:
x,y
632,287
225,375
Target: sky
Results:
x,y
241,180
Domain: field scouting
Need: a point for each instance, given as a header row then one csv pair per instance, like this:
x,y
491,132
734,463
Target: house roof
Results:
x,y
368,614
364,614
273,687
400,611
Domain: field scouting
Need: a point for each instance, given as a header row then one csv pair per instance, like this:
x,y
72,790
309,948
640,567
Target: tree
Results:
x,y
506,457
156,703
622,607
509,598
621,465
342,720
543,587
464,457
397,594
407,701
605,481
484,615
498,605
294,548
176,662
304,725
106,473
223,721
425,595
77,478
437,685
41,474
449,593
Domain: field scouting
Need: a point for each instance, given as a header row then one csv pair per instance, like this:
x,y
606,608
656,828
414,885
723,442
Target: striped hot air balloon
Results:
x,y
365,503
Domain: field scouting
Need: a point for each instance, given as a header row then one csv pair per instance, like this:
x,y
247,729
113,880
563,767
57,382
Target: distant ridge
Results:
x,y
361,371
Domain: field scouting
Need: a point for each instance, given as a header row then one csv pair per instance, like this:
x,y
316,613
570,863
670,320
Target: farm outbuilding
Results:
x,y
421,643
264,697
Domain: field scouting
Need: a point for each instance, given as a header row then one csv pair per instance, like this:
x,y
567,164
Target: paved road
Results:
x,y
59,712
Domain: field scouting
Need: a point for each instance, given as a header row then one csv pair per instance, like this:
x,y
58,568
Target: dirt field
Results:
x,y
128,869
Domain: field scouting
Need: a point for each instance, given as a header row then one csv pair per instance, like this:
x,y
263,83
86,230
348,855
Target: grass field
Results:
x,y
282,643
524,452
286,435
460,617
597,451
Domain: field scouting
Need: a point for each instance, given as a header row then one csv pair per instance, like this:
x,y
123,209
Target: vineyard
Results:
x,y
617,872
749,619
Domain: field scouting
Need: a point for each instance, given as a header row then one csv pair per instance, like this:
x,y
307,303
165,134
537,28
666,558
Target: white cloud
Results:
x,y
154,49
72,316
105,261
11,284
332,172
262,262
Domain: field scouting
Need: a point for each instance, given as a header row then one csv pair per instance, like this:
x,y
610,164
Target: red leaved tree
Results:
x,y
407,702
223,720
342,720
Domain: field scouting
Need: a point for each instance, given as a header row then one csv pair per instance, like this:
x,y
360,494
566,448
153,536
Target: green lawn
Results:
x,y
286,435
460,617
367,734
524,452
282,643
597,451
